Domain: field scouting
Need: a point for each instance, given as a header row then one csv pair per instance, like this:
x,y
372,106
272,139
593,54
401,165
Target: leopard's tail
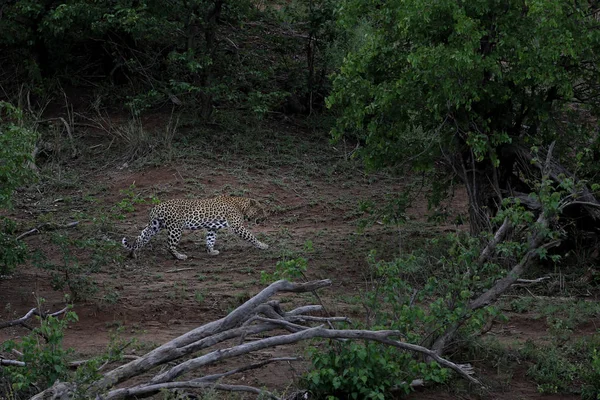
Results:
x,y
126,244
147,233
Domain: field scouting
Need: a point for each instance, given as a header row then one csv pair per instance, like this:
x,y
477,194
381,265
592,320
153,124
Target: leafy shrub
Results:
x,y
17,142
43,353
16,148
12,251
365,371
70,270
46,360
552,372
591,377
420,295
286,269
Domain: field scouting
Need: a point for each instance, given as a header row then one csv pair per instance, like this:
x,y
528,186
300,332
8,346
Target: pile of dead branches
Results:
x,y
258,324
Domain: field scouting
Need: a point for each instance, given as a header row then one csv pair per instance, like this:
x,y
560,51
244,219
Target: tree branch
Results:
x,y
206,335
31,313
144,391
47,226
379,336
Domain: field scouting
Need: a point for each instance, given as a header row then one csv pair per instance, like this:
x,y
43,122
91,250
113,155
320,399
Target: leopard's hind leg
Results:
x,y
147,233
175,231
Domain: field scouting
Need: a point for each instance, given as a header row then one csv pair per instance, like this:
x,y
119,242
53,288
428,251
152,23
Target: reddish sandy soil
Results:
x,y
312,193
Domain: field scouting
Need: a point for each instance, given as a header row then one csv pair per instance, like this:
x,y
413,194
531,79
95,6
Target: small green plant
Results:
x,y
17,141
290,269
522,304
421,295
69,271
351,370
43,353
591,377
552,371
199,296
12,251
130,199
127,204
111,297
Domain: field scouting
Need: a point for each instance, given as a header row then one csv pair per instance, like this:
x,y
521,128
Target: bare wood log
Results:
x,y
304,310
499,236
304,318
526,282
58,391
503,284
290,326
18,321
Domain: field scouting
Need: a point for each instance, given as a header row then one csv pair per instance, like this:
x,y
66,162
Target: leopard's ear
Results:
x,y
254,202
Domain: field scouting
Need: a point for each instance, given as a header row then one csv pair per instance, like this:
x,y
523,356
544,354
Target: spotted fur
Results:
x,y
210,214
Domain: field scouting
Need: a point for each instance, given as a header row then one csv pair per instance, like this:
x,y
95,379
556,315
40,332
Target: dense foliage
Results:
x,y
199,53
501,96
470,83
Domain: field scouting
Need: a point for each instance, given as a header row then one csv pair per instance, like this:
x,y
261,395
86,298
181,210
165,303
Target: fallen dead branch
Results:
x,y
527,282
176,364
47,227
178,270
31,313
11,363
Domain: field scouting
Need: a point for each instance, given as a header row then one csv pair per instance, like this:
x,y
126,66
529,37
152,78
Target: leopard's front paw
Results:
x,y
180,256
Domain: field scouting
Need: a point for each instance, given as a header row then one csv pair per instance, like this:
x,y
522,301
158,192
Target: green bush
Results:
x,y
12,251
351,370
420,295
17,142
71,270
591,377
552,371
444,85
43,353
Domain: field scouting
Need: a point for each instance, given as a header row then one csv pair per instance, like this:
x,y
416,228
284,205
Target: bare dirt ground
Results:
x,y
312,191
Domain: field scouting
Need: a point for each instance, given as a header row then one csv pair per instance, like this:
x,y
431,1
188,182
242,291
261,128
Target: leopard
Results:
x,y
211,214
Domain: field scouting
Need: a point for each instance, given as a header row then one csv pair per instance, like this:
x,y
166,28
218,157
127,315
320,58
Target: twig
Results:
x,y
48,227
216,377
30,313
143,391
178,270
523,282
11,363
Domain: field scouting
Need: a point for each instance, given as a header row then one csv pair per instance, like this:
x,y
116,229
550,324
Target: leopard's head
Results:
x,y
255,211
